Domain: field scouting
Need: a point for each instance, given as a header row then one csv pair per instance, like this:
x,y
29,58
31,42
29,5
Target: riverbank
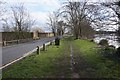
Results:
x,y
72,59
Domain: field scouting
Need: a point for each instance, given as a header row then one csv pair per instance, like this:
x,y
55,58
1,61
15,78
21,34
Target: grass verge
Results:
x,y
101,67
55,62
50,63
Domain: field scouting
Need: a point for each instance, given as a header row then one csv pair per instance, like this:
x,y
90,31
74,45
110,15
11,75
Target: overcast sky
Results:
x,y
39,9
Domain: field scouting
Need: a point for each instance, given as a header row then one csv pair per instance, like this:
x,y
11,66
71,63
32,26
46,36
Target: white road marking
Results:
x,y
25,55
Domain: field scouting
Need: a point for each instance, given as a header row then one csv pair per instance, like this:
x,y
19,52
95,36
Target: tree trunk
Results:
x,y
76,35
54,33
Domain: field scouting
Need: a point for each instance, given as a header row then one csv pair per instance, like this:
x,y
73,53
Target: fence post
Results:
x,y
51,43
38,50
44,48
4,43
17,41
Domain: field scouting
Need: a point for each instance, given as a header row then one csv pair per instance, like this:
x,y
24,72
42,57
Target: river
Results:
x,y
113,39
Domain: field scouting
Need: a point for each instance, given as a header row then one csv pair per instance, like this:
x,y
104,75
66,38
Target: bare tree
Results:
x,y
3,21
75,13
5,25
115,6
87,31
2,8
101,17
21,18
52,22
61,27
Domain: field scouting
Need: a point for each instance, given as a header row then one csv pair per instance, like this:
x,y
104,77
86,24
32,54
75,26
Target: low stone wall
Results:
x,y
43,35
10,38
12,42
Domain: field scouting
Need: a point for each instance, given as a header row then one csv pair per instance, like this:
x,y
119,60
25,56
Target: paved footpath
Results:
x,y
11,53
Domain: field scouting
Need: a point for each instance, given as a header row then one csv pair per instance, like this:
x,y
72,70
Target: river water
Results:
x,y
113,39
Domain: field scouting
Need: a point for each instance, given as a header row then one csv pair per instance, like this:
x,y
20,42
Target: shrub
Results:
x,y
91,40
112,46
57,41
108,51
118,52
103,42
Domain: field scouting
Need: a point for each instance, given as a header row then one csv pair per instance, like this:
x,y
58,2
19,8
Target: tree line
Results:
x,y
18,18
84,17
78,18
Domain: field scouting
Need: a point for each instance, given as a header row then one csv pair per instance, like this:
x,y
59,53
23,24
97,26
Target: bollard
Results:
x,y
44,48
4,43
38,50
57,41
17,41
50,43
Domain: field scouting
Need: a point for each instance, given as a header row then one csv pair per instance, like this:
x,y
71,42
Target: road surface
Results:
x,y
11,53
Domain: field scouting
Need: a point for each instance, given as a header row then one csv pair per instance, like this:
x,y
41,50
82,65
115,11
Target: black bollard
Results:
x,y
38,50
50,43
44,48
57,41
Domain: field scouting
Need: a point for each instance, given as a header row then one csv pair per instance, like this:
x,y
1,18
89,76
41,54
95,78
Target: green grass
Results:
x,y
48,64
103,67
55,62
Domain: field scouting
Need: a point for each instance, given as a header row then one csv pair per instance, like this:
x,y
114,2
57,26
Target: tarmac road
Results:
x,y
11,53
